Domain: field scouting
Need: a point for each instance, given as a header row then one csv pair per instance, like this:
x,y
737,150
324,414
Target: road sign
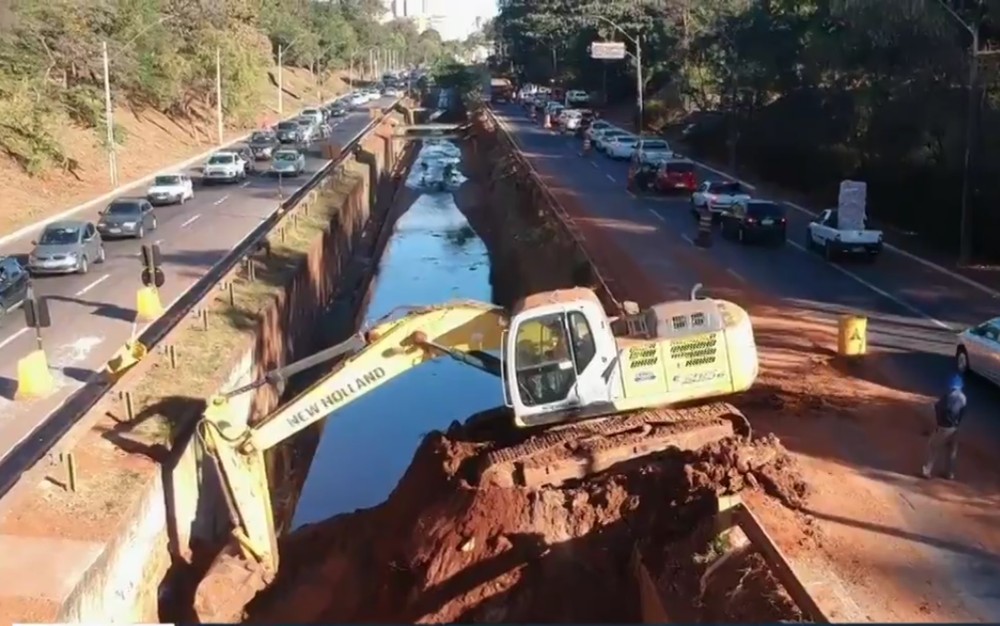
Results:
x,y
608,50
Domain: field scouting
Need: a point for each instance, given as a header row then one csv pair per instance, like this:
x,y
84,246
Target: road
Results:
x,y
913,310
92,314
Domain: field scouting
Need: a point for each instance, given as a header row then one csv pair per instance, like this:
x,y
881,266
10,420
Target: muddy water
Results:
x,y
433,256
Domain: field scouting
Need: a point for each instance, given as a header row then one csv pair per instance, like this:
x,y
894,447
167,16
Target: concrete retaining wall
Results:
x,y
112,569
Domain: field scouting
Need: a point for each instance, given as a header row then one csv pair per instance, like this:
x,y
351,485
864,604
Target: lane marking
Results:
x,y
92,285
611,178
882,292
657,215
13,337
735,275
687,239
221,200
190,221
596,166
244,186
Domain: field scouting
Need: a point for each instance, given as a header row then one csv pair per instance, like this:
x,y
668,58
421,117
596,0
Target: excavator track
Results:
x,y
576,451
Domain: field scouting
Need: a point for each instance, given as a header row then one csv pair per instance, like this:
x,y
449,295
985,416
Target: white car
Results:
x,y
718,196
596,127
577,98
978,350
288,163
571,119
170,189
603,137
314,114
621,147
653,150
225,166
827,235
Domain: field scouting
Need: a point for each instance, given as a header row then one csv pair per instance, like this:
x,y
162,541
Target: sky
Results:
x,y
460,15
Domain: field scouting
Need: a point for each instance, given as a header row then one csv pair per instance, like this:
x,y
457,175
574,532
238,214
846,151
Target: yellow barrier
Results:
x,y
852,335
34,380
147,304
123,360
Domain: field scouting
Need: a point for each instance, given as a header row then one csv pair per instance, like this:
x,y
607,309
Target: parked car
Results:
x,y
289,132
66,247
13,285
170,189
288,162
978,350
225,166
717,196
598,126
755,220
603,137
621,147
263,144
651,150
126,217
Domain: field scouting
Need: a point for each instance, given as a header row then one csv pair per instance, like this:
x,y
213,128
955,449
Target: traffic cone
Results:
x,y
147,304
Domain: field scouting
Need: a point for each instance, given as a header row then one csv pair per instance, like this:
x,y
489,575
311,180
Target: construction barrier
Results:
x,y
34,380
147,304
852,335
704,238
128,355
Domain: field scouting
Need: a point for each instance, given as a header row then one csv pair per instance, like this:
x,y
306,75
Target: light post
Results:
x,y
218,94
109,119
965,221
281,81
637,41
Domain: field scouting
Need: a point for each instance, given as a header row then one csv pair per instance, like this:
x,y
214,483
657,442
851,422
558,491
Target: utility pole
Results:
x,y
638,81
965,221
218,93
109,119
281,87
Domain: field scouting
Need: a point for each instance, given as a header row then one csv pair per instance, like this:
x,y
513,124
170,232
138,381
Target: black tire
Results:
x,y
84,266
741,235
828,252
810,242
962,364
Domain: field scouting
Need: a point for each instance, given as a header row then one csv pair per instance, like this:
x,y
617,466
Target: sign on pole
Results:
x,y
607,50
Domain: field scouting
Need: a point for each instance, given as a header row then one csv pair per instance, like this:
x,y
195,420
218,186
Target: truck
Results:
x,y
587,384
844,231
501,90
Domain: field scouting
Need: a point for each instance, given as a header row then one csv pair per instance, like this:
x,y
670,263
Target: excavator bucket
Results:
x,y
579,450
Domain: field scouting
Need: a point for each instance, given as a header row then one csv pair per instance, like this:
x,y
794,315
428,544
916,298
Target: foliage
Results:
x,y
162,55
817,90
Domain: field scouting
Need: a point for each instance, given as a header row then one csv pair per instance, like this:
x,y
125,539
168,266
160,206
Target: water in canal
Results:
x,y
433,256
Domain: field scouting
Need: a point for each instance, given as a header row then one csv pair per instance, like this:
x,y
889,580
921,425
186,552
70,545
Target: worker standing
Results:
x,y
948,412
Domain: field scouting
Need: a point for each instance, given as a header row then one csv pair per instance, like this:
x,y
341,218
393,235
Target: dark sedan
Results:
x,y
289,132
263,144
127,217
13,285
755,220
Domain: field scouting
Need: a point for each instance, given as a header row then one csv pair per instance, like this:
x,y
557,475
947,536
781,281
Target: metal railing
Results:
x,y
46,435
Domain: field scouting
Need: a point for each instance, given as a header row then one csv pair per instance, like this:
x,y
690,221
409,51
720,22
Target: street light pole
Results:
x,y
109,119
218,94
281,86
637,41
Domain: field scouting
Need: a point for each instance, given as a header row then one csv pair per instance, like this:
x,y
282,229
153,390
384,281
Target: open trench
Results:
x,y
387,528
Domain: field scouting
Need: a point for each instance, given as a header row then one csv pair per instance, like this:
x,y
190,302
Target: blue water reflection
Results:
x,y
433,256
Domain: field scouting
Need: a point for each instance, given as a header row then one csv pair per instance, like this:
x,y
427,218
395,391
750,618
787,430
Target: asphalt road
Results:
x,y
914,311
92,314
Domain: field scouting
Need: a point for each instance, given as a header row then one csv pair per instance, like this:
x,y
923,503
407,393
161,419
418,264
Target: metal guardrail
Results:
x,y
36,446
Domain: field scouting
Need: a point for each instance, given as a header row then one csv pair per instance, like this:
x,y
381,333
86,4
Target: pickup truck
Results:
x,y
718,196
824,234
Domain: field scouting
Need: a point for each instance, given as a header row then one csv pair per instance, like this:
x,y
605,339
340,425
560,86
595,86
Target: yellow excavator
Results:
x,y
586,391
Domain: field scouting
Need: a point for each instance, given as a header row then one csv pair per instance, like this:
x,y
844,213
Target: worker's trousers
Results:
x,y
944,441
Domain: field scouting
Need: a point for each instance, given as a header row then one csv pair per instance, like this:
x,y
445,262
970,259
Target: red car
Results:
x,y
676,175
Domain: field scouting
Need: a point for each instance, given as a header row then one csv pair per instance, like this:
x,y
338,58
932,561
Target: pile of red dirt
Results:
x,y
442,550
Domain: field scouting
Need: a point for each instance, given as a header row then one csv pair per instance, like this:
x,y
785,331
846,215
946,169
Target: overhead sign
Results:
x,y
608,50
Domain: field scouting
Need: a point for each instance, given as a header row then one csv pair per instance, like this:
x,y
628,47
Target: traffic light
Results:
x,y
152,273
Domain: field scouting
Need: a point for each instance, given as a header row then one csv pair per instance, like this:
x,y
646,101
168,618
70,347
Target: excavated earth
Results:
x,y
443,550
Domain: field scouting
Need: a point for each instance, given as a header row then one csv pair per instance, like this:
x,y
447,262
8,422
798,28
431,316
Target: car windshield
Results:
x,y
59,236
304,122
122,208
260,137
220,159
286,126
727,188
765,210
286,156
655,145
624,139
310,112
166,181
680,167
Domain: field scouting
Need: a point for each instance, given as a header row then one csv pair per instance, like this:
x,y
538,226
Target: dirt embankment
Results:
x,y
152,141
442,550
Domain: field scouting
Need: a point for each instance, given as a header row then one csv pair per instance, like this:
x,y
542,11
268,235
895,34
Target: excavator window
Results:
x,y
584,347
543,363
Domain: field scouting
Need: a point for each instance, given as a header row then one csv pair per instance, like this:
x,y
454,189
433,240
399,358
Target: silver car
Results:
x,y
288,163
66,247
978,350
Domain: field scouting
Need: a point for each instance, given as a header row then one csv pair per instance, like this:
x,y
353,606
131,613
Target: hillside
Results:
x,y
153,141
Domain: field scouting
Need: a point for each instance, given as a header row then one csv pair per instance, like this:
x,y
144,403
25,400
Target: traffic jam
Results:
x,y
655,168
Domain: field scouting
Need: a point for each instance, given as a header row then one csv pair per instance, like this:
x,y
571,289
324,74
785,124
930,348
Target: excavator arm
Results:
x,y
466,331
